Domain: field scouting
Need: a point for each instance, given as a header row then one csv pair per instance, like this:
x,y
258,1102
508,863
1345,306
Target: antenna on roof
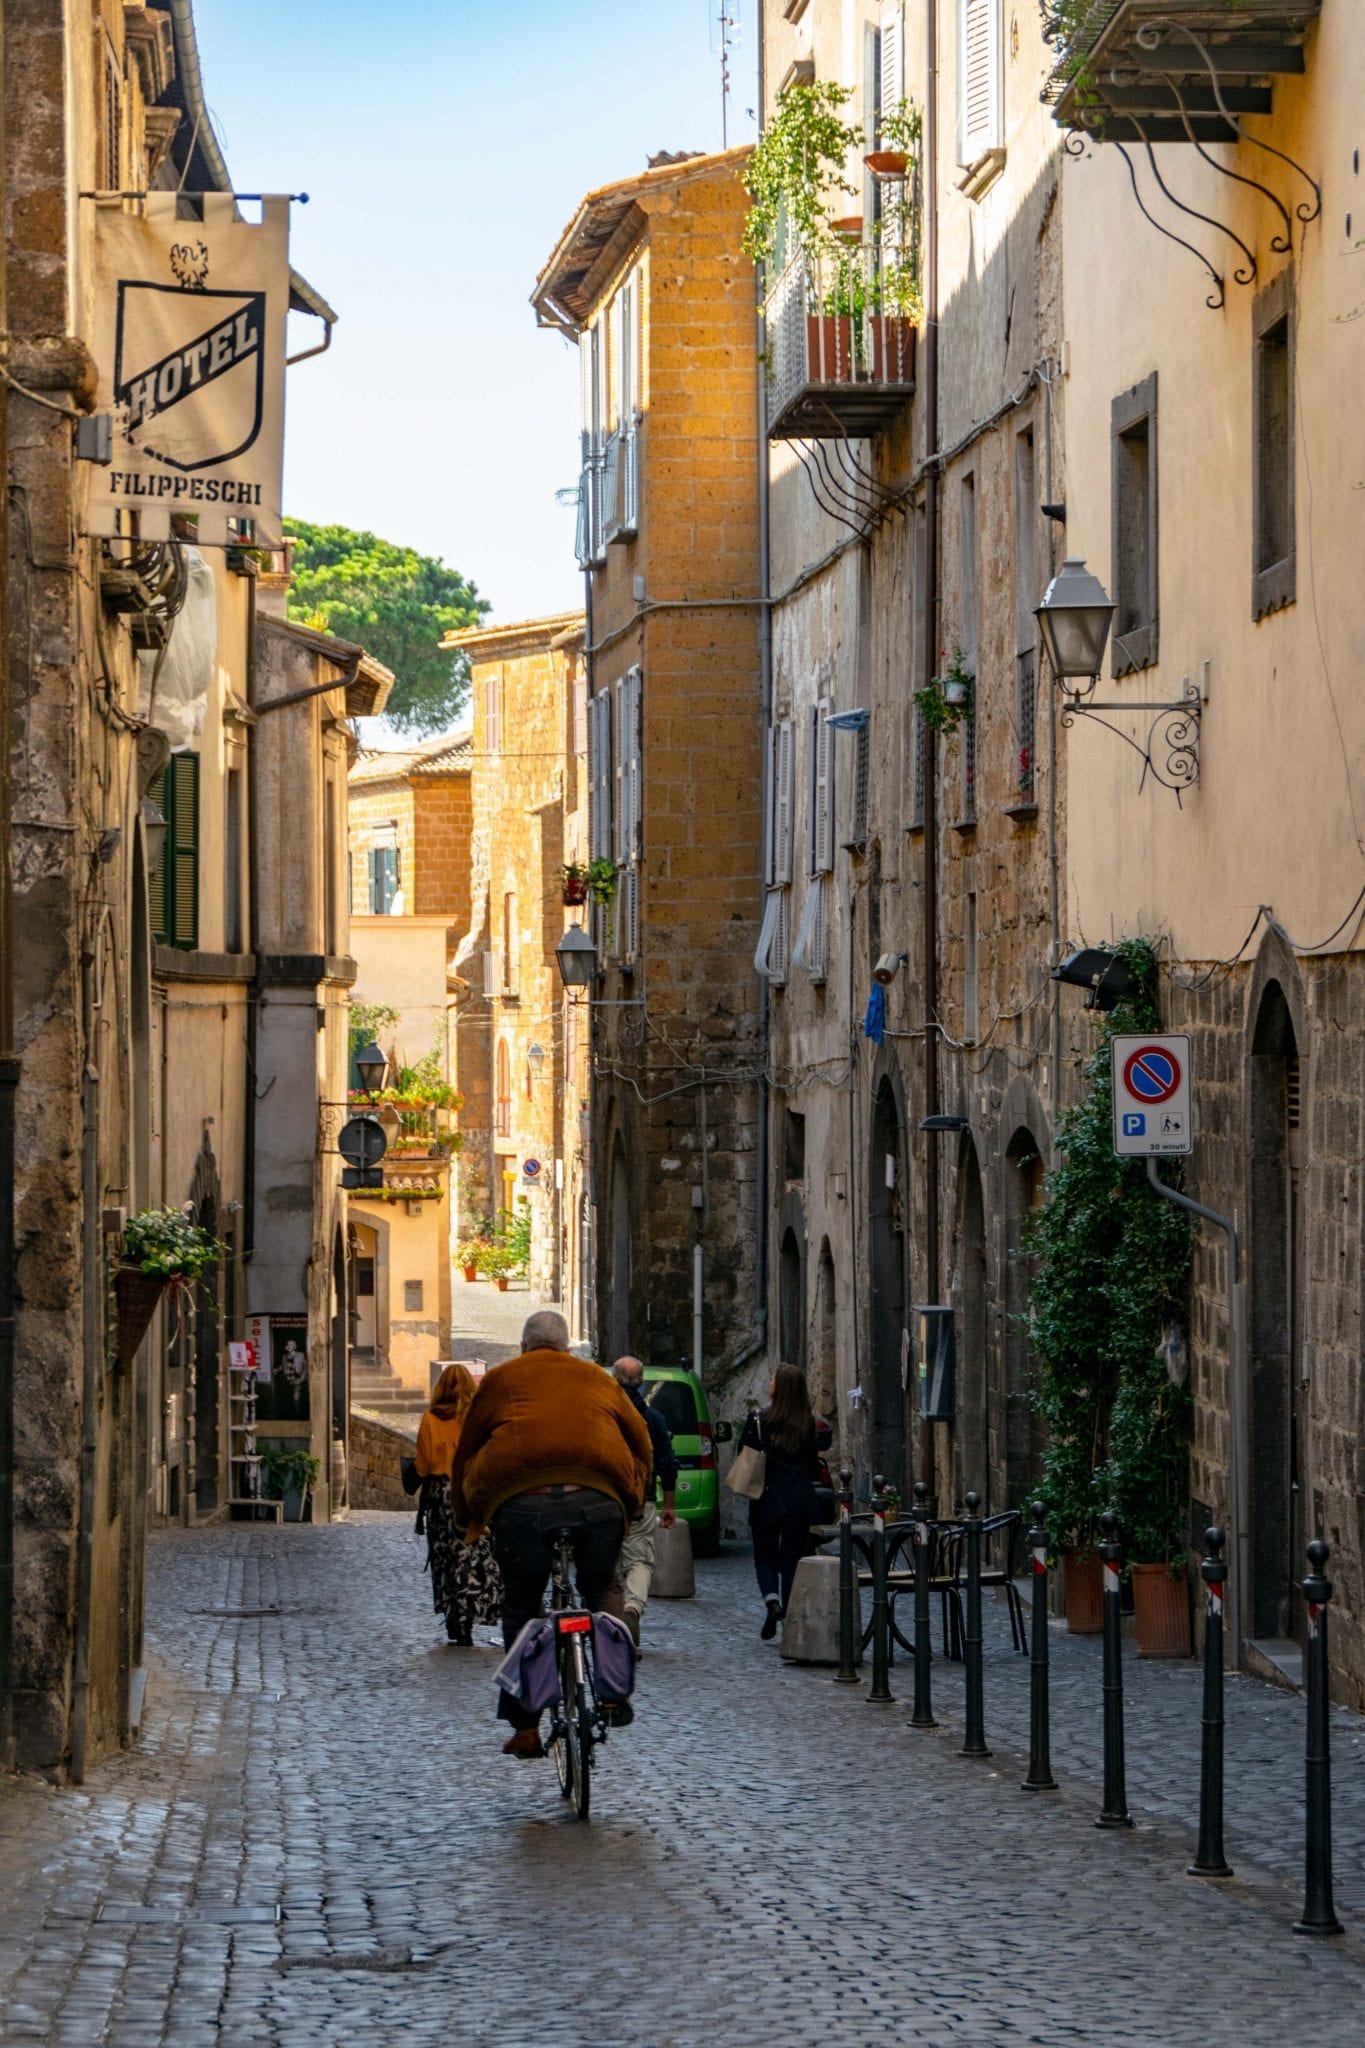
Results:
x,y
725,36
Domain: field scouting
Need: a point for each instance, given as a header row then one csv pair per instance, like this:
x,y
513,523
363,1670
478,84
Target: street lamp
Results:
x,y
577,958
1074,619
370,1064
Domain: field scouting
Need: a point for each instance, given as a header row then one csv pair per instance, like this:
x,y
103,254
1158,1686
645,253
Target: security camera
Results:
x,y
888,967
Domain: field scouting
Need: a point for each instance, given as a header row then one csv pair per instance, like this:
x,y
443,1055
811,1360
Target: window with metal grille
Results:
x,y
970,1000
856,838
175,885
1025,725
113,123
967,756
1274,580
1134,521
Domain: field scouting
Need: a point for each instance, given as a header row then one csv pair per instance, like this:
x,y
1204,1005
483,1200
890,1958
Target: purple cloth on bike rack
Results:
x,y
530,1670
614,1654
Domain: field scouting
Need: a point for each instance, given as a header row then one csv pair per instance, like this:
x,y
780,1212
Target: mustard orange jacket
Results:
x,y
437,1440
548,1419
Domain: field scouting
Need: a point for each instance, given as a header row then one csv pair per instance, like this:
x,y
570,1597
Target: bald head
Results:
x,y
629,1371
545,1331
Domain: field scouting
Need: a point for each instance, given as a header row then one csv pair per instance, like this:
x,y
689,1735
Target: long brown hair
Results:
x,y
791,1425
452,1393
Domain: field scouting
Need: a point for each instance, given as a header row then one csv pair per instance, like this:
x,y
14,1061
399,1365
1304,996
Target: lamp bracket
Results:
x,y
1171,752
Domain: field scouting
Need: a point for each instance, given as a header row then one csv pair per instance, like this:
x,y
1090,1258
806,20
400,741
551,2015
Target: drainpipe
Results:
x,y
9,1062
765,672
929,655
92,1360
587,1280
253,1001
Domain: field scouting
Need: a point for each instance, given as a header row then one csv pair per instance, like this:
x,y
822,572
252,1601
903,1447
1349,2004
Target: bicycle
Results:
x,y
577,1722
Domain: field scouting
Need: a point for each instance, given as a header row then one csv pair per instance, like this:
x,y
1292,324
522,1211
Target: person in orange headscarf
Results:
x,y
465,1586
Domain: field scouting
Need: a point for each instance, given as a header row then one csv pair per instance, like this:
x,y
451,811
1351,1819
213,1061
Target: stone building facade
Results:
x,y
134,1005
521,1037
897,554
1212,483
650,281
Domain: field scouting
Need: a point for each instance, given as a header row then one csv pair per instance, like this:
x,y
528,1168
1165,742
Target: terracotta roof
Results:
x,y
494,642
600,233
451,753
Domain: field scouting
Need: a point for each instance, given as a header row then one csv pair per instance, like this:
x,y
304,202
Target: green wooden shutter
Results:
x,y
181,861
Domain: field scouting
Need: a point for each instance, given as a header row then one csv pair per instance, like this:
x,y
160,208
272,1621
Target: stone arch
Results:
x,y
791,1280
887,1228
1275,1428
972,1431
824,1373
1017,1431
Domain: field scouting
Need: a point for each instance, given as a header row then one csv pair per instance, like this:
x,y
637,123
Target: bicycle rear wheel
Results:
x,y
564,1718
580,1745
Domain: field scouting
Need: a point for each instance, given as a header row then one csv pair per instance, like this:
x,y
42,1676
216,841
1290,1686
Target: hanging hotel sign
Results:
x,y
189,343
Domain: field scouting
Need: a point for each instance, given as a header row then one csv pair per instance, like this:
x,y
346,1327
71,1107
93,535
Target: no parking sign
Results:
x,y
1151,1094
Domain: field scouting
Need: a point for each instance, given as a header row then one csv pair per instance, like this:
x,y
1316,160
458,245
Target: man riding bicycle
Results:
x,y
550,1442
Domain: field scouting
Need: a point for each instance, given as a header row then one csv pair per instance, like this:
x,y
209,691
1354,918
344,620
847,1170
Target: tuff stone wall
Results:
x,y
443,823
377,1448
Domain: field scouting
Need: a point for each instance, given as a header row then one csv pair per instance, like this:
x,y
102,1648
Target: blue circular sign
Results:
x,y
530,1169
1151,1074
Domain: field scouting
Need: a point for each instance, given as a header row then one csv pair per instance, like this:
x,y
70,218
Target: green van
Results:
x,y
681,1399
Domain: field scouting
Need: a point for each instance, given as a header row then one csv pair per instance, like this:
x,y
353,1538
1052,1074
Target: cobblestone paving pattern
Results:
x,y
771,1860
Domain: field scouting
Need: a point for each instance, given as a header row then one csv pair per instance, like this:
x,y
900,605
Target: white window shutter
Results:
x,y
979,113
822,790
620,772
783,752
779,957
630,913
600,775
770,955
634,752
892,58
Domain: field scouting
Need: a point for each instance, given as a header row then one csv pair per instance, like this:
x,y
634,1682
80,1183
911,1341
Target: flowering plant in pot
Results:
x,y
497,1261
947,698
467,1253
162,1248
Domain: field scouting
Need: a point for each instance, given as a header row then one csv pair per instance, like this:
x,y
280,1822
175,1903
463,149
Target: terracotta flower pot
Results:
x,y
891,348
887,163
829,348
1161,1606
500,1282
138,1295
470,1272
575,890
1083,1589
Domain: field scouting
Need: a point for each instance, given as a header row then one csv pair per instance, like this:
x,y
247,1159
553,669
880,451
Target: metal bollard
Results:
x,y
1209,1860
922,1715
1319,1914
974,1739
1040,1778
881,1694
850,1607
1115,1814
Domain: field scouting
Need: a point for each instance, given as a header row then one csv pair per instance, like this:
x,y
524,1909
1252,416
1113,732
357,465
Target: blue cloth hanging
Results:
x,y
874,1023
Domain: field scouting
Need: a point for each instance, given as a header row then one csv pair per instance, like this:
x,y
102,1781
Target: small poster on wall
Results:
x,y
282,1372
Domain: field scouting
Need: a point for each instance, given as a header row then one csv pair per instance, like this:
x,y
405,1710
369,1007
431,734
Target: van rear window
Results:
x,y
674,1401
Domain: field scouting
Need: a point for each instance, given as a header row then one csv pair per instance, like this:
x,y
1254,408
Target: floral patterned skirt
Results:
x,y
466,1586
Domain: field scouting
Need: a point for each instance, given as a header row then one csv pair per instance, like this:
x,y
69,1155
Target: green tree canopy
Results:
x,y
396,604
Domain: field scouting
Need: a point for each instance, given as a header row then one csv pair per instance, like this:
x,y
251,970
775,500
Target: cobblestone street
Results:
x,y
317,1842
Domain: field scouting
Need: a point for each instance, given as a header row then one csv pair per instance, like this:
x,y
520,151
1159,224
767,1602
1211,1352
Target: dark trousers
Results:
x,y
523,1544
780,1543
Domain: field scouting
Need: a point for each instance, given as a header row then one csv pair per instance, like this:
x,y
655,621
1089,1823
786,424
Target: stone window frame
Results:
x,y
1132,409
1273,584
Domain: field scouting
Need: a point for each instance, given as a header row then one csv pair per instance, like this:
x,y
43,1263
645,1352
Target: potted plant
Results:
x,y
1111,1265
467,1256
1148,1478
162,1249
947,698
898,306
602,880
575,882
289,1474
519,1239
496,1260
797,171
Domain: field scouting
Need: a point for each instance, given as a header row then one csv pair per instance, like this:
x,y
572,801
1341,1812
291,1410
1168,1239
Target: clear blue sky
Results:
x,y
444,144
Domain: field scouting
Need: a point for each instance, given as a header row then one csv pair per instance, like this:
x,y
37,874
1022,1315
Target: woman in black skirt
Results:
x,y
465,1585
792,1438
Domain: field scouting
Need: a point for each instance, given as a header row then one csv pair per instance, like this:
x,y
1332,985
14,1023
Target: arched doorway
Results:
x,y
972,1436
206,1374
618,1279
1020,1426
825,1387
1279,1479
791,1299
886,1233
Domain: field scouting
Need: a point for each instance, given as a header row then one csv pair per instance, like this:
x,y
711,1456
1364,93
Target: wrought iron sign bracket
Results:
x,y
1170,754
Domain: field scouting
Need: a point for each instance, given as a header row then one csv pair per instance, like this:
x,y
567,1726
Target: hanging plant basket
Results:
x,y
575,889
138,1295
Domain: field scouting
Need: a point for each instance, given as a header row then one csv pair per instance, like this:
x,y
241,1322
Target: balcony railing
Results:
x,y
842,328
1172,70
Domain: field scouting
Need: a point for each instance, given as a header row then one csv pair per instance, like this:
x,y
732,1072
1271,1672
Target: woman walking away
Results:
x,y
465,1586
792,1437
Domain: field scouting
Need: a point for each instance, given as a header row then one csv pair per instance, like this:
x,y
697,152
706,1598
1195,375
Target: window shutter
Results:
x,y
629,897
635,764
181,860
782,802
490,973
620,772
810,949
599,413
600,775
892,59
492,714
822,790
779,955
857,831
979,87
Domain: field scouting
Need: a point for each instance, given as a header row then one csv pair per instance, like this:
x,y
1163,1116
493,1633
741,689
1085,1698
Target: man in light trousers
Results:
x,y
636,1568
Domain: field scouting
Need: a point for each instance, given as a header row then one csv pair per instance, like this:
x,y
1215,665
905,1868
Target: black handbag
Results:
x,y
407,1468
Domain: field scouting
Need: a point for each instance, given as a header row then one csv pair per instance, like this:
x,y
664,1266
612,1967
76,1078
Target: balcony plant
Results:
x,y
575,882
162,1250
798,172
289,1473
1111,1268
947,698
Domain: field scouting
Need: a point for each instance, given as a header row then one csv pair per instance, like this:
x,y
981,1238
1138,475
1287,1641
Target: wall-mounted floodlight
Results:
x,y
849,721
1107,977
888,967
